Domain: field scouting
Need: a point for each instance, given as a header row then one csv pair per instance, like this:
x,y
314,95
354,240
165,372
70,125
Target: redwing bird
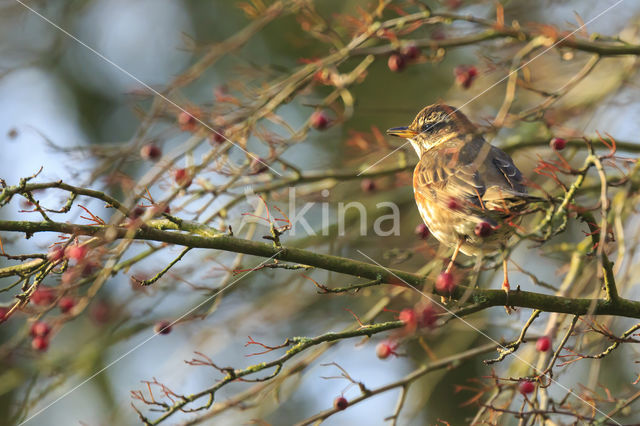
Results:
x,y
468,191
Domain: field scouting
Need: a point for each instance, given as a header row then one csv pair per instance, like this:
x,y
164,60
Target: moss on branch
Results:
x,y
168,232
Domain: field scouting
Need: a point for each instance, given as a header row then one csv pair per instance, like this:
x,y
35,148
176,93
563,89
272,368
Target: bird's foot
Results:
x,y
507,287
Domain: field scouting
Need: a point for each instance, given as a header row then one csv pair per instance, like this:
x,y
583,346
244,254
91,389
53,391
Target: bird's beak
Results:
x,y
401,132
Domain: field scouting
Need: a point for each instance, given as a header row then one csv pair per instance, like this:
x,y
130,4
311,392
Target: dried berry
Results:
x,y
396,62
162,327
150,152
340,403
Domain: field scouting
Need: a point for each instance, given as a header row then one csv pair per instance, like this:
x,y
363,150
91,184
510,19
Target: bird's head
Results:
x,y
433,125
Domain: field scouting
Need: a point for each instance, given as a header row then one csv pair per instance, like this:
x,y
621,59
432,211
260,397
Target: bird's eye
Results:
x,y
433,126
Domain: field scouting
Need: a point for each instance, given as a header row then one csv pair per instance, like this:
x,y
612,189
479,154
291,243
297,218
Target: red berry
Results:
x,y
66,303
319,120
40,328
218,136
428,316
483,229
558,144
151,152
340,403
411,52
465,75
453,204
408,317
526,387
182,177
384,349
422,231
368,185
3,313
137,212
396,62
76,252
40,343
445,283
543,344
55,254
162,327
43,296
187,121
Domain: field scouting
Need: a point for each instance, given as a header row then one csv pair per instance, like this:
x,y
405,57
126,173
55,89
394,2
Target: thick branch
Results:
x,y
482,298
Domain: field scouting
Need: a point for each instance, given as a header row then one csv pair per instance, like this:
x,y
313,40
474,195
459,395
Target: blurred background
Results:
x,y
64,108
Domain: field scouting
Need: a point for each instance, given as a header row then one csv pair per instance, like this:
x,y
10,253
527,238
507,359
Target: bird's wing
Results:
x,y
473,173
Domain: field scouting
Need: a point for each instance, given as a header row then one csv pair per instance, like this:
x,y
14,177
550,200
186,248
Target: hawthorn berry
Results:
x,y
483,229
319,120
428,316
187,121
543,344
43,296
396,62
40,343
76,252
150,152
56,254
340,403
218,136
445,282
422,231
368,185
558,144
526,387
182,177
408,317
384,349
66,303
137,212
465,75
40,328
162,327
411,52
